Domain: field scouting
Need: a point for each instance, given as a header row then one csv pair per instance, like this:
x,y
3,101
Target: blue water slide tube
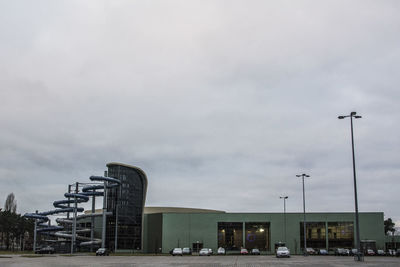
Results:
x,y
112,182
42,217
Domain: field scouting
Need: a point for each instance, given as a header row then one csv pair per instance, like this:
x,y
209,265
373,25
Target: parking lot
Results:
x,y
213,261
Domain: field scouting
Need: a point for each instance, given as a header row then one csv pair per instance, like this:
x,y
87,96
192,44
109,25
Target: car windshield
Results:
x,y
282,248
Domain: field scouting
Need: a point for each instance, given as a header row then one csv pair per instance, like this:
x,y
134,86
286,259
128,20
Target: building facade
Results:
x,y
159,229
127,204
188,228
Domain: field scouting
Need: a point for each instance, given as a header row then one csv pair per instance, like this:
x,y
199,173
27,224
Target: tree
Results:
x,y
389,226
11,204
15,230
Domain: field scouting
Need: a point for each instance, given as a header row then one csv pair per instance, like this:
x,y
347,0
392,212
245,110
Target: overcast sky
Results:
x,y
221,103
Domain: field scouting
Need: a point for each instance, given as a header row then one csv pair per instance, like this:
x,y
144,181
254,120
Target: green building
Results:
x,y
166,228
160,229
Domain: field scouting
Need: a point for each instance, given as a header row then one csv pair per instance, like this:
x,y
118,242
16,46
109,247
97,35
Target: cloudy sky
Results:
x,y
221,103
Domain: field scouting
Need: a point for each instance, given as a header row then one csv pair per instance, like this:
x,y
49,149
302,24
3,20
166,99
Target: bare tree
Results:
x,y
11,204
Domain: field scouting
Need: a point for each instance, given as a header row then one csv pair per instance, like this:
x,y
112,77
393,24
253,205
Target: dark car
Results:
x,y
322,252
398,253
46,250
353,251
187,251
102,252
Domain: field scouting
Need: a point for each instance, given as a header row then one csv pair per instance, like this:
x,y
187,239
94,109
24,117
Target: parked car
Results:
x,y
322,252
398,253
177,252
353,251
221,251
210,251
255,251
45,250
341,252
347,251
370,252
187,251
282,252
380,252
102,252
204,252
311,251
244,251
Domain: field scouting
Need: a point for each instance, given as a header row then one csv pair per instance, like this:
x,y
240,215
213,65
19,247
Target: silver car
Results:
x,y
177,252
204,252
221,251
282,252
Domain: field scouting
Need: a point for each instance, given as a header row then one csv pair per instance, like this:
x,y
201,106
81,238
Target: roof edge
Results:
x,y
124,165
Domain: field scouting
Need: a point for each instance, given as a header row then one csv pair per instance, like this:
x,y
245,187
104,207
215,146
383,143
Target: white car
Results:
x,y
282,252
221,251
177,252
204,252
380,252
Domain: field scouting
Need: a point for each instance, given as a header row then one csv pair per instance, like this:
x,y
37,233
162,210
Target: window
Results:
x,y
316,237
230,235
257,235
340,234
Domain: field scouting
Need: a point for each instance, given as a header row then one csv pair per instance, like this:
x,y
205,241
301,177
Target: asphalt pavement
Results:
x,y
196,261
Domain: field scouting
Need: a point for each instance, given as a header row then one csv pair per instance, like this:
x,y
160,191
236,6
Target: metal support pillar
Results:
x,y
116,217
35,235
103,234
92,222
73,239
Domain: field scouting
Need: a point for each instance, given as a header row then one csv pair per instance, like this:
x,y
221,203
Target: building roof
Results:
x,y
150,210
127,166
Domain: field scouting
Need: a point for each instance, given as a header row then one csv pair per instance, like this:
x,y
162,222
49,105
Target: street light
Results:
x,y
284,214
304,212
352,115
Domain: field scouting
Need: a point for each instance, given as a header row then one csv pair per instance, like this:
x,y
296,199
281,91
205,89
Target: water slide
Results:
x,y
63,206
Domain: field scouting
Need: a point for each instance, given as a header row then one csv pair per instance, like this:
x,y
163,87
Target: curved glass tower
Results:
x,y
127,205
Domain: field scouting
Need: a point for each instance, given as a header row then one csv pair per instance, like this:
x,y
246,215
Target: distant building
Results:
x,y
169,228
130,197
159,229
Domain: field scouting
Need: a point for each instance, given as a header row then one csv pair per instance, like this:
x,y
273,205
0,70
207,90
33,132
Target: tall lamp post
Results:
x,y
352,115
284,215
304,212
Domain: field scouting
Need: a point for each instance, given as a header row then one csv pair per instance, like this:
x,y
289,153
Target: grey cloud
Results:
x,y
221,103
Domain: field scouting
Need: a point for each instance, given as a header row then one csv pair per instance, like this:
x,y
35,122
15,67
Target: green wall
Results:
x,y
183,229
152,233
